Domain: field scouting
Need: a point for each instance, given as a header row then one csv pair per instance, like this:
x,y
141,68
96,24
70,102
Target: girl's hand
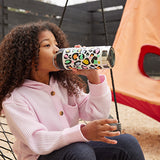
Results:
x,y
98,130
91,74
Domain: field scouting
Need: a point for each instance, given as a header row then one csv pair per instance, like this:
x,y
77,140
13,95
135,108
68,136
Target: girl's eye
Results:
x,y
47,45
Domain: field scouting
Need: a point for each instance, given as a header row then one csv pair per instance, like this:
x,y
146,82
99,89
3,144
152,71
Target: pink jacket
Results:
x,y
43,118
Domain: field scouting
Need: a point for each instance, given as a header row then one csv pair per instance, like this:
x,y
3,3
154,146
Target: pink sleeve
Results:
x,y
96,104
26,128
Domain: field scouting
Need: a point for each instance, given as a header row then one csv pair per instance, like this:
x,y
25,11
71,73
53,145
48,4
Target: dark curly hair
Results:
x,y
20,48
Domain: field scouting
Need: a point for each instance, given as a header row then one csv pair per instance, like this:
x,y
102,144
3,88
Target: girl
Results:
x,y
43,105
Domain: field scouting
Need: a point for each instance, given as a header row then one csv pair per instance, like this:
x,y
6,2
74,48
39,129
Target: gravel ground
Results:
x,y
144,128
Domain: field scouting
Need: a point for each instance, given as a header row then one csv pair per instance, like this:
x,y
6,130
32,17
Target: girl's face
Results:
x,y
48,47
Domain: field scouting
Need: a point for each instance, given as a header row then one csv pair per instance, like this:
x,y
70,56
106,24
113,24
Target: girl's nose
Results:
x,y
55,49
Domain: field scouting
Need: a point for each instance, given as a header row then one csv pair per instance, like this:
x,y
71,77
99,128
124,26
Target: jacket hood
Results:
x,y
37,85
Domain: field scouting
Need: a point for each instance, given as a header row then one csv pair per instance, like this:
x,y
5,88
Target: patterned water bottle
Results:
x,y
97,57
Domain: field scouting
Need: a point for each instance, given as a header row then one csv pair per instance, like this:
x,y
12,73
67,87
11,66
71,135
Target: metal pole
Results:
x,y
2,19
111,72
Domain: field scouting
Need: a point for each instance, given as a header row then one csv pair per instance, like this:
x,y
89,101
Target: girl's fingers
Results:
x,y
77,46
109,134
74,69
107,127
107,140
108,121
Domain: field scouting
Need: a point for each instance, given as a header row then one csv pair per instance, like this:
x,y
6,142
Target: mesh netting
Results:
x,y
6,141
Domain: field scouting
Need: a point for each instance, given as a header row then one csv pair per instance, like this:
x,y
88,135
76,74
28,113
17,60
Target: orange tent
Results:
x,y
137,35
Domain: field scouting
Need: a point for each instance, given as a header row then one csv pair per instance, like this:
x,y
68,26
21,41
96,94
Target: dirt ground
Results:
x,y
144,128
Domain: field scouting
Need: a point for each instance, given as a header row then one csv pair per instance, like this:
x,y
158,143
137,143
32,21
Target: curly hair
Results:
x,y
20,48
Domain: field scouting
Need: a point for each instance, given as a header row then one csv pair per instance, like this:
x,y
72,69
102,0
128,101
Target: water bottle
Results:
x,y
96,57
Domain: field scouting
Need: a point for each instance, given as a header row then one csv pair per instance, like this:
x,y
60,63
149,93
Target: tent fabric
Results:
x,y
137,35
